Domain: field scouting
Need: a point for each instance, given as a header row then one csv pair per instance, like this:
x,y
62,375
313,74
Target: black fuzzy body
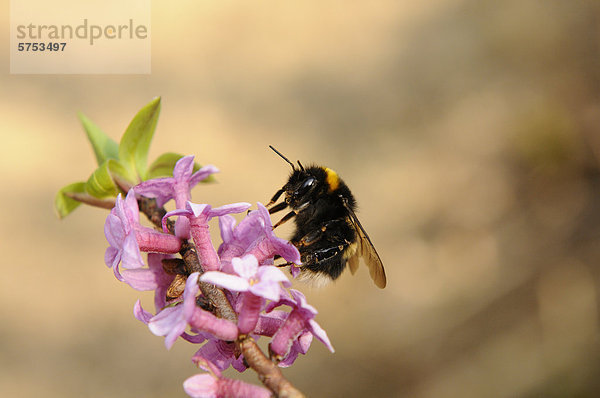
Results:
x,y
324,234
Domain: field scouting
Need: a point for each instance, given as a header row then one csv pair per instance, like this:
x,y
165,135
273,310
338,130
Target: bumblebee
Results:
x,y
328,234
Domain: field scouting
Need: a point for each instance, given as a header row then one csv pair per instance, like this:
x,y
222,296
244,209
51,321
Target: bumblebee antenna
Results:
x,y
301,167
284,158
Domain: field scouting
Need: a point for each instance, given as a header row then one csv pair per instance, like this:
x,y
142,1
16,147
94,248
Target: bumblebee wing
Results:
x,y
353,262
367,251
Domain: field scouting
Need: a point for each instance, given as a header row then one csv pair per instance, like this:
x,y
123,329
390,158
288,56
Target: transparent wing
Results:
x,y
367,251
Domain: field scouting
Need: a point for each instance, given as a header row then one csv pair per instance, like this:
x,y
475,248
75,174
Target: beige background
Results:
x,y
468,131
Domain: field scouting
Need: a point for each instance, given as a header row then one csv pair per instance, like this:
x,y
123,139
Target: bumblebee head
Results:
x,y
300,187
302,183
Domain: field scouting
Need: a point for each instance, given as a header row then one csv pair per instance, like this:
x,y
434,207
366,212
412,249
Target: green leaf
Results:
x,y
64,205
101,183
164,164
104,147
135,143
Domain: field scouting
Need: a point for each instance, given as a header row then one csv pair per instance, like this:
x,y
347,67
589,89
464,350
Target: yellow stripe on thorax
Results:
x,y
332,179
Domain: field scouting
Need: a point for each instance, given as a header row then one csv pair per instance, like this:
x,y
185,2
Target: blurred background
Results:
x,y
468,130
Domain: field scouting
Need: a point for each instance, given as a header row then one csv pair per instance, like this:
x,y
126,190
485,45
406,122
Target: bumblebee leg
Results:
x,y
323,256
315,235
310,238
275,197
277,207
285,218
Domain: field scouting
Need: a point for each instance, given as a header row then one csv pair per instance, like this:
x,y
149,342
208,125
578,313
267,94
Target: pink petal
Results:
x,y
202,174
294,270
201,386
159,188
111,257
217,352
195,338
113,230
169,323
320,334
267,289
226,225
176,212
189,295
290,358
182,228
304,341
285,249
227,281
264,214
131,207
246,267
301,301
183,168
274,274
163,322
130,255
141,314
238,364
231,208
140,279
205,364
270,323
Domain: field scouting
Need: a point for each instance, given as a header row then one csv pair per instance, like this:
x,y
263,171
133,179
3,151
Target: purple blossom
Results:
x,y
177,187
152,278
219,354
144,316
199,215
120,233
171,322
255,282
242,266
299,346
140,314
262,281
299,320
254,235
127,238
269,324
215,386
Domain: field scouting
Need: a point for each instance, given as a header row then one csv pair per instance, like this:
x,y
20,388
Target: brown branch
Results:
x,y
154,213
268,372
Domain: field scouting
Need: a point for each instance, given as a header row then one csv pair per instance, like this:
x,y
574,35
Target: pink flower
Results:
x,y
177,187
151,278
198,216
269,324
212,386
254,235
171,322
219,354
262,281
256,282
299,320
127,237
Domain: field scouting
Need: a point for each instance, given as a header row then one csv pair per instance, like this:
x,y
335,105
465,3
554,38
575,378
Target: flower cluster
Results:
x,y
242,267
